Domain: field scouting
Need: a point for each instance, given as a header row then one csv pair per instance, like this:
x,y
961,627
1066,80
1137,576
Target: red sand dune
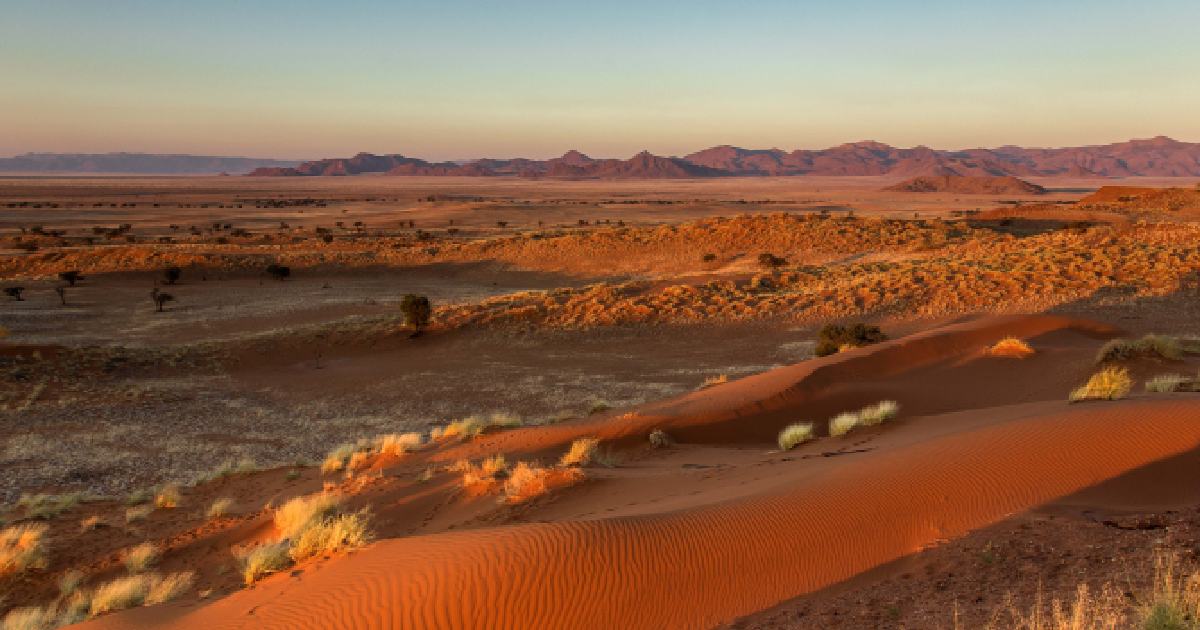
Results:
x,y
730,559
968,185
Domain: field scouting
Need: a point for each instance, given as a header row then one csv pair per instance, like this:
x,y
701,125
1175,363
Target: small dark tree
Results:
x,y
709,257
328,238
833,337
160,299
417,310
70,277
14,293
171,275
62,294
279,272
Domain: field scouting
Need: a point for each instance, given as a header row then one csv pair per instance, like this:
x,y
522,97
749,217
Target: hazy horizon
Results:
x,y
303,80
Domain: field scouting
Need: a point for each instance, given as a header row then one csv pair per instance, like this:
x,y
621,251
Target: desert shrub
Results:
x,y
300,513
279,272
1165,383
843,423
1011,347
1109,383
345,531
832,338
659,439
264,560
1149,345
878,413
220,507
70,277
417,311
795,434
580,453
139,558
171,275
22,547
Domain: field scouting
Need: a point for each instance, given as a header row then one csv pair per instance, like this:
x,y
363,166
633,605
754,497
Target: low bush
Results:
x,y
795,434
1109,383
833,338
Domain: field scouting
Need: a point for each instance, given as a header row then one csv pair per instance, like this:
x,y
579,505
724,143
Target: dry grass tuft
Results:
x,y
220,507
1109,383
297,515
397,444
138,512
264,560
842,424
795,434
581,452
1011,347
529,481
22,547
90,523
1166,383
138,590
138,559
48,506
167,497
1149,345
487,472
713,381
30,618
473,426
346,531
338,458
659,439
878,413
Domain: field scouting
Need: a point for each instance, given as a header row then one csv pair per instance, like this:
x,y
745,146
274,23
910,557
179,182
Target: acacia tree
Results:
x,y
417,311
171,274
70,277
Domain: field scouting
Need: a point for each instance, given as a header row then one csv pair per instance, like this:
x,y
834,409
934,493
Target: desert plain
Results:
x,y
617,399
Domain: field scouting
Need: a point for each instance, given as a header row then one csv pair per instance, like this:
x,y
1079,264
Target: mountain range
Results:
x,y
141,163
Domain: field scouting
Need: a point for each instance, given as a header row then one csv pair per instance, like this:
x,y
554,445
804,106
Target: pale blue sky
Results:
x,y
454,79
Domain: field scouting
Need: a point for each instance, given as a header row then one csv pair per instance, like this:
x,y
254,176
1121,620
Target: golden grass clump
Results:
x,y
22,547
167,497
141,557
345,531
90,523
30,618
138,590
485,473
397,444
842,424
220,507
473,426
264,560
338,458
297,515
1011,347
714,381
528,481
581,452
1110,383
878,413
795,434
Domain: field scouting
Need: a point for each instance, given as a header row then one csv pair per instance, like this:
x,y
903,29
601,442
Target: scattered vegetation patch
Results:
x,y
22,547
834,338
1166,383
1110,383
1012,348
306,526
528,481
1151,345
138,512
483,475
473,426
795,434
138,590
48,506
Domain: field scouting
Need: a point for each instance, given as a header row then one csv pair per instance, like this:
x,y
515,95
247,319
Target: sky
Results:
x,y
446,79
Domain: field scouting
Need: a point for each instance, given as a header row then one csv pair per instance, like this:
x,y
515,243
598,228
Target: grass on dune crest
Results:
x,y
868,416
1011,347
306,526
581,452
1110,383
1152,345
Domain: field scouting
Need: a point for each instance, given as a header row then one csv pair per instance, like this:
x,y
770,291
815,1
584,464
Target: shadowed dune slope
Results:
x,y
730,558
916,370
